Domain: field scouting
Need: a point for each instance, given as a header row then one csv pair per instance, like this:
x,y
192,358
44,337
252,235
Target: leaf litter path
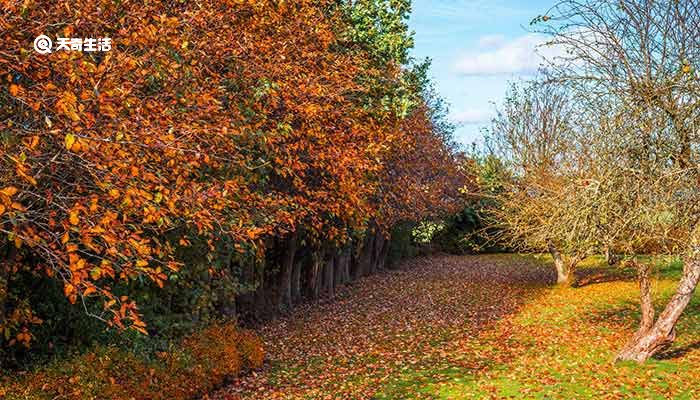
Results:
x,y
394,330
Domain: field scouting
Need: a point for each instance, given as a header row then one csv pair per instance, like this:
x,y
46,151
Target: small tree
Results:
x,y
532,135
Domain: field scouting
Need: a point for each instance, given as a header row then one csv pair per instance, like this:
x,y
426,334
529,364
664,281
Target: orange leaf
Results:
x,y
68,289
9,191
73,218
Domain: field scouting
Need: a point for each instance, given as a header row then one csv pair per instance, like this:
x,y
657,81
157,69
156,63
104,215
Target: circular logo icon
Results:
x,y
43,44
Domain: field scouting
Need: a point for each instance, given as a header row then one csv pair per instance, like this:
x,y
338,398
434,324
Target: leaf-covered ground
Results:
x,y
471,327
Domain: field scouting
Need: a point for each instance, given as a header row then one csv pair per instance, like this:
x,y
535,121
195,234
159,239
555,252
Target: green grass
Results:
x,y
562,345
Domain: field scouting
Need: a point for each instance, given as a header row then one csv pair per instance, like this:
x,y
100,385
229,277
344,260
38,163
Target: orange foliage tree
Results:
x,y
237,119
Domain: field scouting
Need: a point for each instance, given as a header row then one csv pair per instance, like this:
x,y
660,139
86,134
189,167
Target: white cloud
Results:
x,y
522,55
473,116
490,42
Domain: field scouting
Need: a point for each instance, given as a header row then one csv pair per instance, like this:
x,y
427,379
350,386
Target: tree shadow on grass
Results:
x,y
590,276
679,352
598,271
622,315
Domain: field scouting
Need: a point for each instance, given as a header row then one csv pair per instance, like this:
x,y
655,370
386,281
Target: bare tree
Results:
x,y
532,135
629,64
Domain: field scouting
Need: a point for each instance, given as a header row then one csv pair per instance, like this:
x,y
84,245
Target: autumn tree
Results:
x,y
220,149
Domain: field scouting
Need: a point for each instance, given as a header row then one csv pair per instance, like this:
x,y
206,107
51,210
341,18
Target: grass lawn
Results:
x,y
475,327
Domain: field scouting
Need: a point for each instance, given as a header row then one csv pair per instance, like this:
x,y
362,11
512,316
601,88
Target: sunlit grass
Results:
x,y
562,345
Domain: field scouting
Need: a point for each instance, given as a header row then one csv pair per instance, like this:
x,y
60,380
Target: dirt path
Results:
x,y
395,327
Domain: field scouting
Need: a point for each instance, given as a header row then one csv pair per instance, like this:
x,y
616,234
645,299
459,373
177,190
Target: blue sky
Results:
x,y
477,47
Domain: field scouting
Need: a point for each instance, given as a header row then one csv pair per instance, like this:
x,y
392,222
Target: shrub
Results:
x,y
201,362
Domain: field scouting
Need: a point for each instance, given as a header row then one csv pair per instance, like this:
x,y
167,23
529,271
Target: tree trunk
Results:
x,y
364,257
610,257
379,242
328,276
296,281
644,344
571,266
646,300
338,278
562,275
348,264
645,297
314,281
370,251
345,259
384,253
285,284
376,249
354,262
260,295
